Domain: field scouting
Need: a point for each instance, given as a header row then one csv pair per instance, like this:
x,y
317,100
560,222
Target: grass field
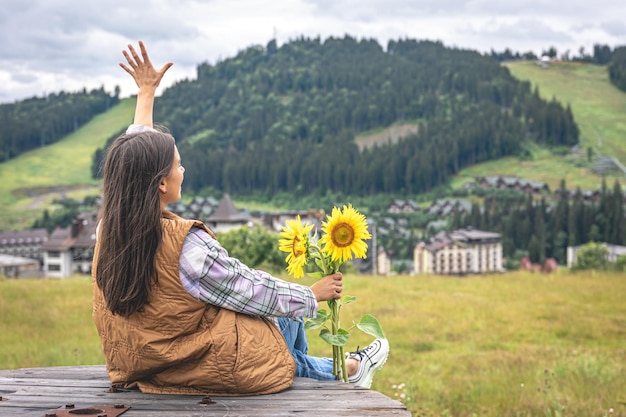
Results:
x,y
516,344
598,106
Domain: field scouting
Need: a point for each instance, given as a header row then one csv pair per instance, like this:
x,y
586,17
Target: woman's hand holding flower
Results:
x,y
328,288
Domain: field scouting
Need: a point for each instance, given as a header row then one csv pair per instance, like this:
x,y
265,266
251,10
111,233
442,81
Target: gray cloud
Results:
x,y
615,28
521,32
55,45
374,10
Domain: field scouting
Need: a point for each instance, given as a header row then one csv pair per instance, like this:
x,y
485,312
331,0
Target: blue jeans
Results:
x,y
306,366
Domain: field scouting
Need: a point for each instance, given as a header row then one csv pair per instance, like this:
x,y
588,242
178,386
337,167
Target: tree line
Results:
x,y
40,121
541,228
617,68
284,119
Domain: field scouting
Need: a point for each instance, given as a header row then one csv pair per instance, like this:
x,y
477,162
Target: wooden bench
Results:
x,y
86,391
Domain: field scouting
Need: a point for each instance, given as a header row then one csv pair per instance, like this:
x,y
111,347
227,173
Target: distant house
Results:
x,y
383,262
24,243
403,206
276,221
226,217
513,183
463,251
69,250
198,208
544,61
446,207
17,266
586,196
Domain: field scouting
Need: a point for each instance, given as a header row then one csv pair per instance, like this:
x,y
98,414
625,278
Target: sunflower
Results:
x,y
296,244
344,232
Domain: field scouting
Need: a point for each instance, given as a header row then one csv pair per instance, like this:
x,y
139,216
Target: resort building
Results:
x,y
459,252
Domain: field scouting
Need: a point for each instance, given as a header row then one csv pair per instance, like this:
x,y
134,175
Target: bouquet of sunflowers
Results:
x,y
344,235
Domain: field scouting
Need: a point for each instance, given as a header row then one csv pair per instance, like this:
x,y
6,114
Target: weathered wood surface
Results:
x,y
41,391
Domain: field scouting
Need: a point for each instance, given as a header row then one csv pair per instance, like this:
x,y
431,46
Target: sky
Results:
x,y
48,46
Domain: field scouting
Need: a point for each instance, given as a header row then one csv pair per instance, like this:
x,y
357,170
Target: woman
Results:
x,y
174,312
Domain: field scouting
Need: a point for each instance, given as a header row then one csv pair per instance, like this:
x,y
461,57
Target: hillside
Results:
x,y
284,119
598,106
598,109
32,180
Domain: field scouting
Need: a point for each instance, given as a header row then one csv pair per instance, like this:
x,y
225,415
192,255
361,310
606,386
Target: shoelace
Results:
x,y
361,353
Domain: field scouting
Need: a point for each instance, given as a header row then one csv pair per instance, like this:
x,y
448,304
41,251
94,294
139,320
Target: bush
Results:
x,y
255,247
592,256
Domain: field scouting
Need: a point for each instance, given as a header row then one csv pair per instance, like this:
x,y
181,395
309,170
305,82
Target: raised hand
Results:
x,y
141,68
147,79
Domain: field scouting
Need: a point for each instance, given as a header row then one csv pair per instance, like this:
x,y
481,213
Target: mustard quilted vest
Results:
x,y
180,345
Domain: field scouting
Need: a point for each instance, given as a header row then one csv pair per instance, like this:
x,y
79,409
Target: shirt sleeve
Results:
x,y
138,129
209,274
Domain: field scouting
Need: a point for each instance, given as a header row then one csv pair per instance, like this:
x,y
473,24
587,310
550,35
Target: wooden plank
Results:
x,y
35,391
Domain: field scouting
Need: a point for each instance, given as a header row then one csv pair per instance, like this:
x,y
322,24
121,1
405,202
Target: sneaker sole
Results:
x,y
367,382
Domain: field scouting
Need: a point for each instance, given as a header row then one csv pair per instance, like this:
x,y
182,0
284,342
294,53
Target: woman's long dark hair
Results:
x,y
130,218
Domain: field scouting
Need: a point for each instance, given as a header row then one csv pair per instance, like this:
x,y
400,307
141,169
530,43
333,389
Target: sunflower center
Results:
x,y
297,247
343,235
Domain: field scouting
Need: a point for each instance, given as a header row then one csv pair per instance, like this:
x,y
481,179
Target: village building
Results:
x,y
459,252
198,208
19,267
383,262
24,243
403,206
513,183
69,250
226,216
447,207
586,196
276,221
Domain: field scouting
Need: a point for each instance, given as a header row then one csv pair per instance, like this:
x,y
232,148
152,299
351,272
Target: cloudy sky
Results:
x,y
48,46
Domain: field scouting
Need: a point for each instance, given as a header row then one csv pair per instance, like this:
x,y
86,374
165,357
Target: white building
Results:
x,y
69,251
613,252
460,252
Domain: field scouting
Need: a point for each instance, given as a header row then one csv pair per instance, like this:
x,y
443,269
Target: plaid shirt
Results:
x,y
211,276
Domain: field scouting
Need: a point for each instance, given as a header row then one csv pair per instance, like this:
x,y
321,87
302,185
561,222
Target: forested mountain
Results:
x,y
284,119
37,122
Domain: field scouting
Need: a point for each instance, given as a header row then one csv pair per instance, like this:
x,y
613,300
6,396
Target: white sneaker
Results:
x,y
372,358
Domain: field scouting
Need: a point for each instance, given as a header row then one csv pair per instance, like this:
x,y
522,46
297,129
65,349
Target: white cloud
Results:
x,y
53,45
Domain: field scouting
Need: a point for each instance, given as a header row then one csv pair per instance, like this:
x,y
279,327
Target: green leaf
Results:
x,y
316,275
318,321
339,339
347,299
370,325
319,264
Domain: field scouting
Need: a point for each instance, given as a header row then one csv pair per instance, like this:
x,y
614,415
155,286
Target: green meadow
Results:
x,y
514,344
597,105
598,109
33,180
